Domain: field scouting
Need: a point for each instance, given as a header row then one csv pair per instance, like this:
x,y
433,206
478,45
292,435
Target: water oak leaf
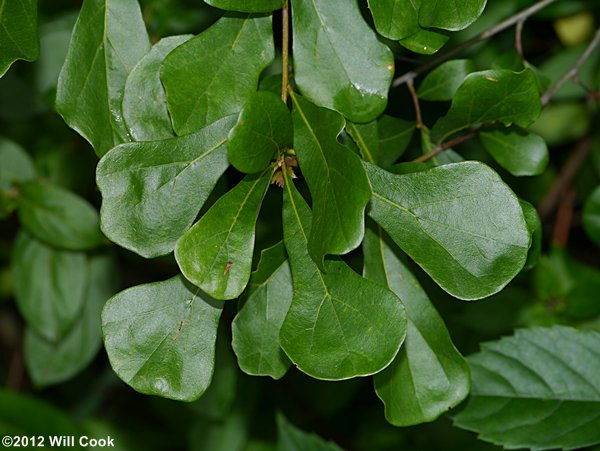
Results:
x,y
428,376
247,6
15,164
395,19
264,126
256,327
591,216
490,96
340,325
534,226
450,15
216,253
459,222
290,438
424,41
144,100
442,83
59,217
213,74
18,32
50,286
160,338
338,184
538,389
338,61
152,191
108,40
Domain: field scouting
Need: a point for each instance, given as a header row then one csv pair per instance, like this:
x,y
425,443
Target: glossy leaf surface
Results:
x,y
257,324
338,184
160,338
153,191
450,15
442,82
212,75
538,389
108,41
424,41
216,253
428,376
534,225
247,6
18,32
459,222
340,325
338,61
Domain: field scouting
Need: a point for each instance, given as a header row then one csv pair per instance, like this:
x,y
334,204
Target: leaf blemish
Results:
x,y
227,266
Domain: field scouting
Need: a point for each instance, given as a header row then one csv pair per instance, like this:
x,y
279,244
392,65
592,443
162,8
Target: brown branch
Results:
x,y
513,20
446,146
564,217
415,99
285,50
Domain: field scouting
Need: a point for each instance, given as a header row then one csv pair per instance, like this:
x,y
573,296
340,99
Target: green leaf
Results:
x,y
248,6
428,376
338,184
18,34
108,40
15,164
459,222
538,389
256,327
591,216
144,100
160,338
534,226
58,216
54,362
50,286
395,19
216,253
290,438
212,75
153,191
426,42
339,325
264,126
338,61
443,82
519,152
453,16
491,96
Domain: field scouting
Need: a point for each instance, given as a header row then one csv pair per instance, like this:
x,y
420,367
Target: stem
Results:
x,y
285,49
446,146
513,20
519,39
573,72
564,217
415,99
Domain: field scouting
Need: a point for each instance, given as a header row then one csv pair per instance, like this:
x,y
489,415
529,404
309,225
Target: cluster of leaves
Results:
x,y
338,294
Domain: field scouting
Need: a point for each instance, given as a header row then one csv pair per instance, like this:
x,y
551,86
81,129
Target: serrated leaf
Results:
x,y
18,32
338,184
538,389
491,96
459,222
338,61
231,54
519,152
49,286
264,126
339,325
160,338
248,6
144,100
290,438
216,253
534,226
51,363
424,41
257,324
453,16
428,376
591,216
442,82
58,217
152,191
108,40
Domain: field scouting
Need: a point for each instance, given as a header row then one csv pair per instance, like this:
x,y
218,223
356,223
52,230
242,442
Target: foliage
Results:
x,y
305,190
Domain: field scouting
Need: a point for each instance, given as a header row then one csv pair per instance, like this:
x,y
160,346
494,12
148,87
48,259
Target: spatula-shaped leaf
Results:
x,y
50,286
428,376
247,6
213,74
160,338
450,15
216,253
18,33
144,100
491,96
58,216
459,222
152,191
108,40
338,61
256,327
338,184
443,82
340,325
395,19
15,164
425,41
264,126
538,389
